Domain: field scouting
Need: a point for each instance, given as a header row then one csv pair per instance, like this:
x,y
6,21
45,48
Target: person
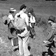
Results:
x,y
11,14
32,21
11,18
52,23
21,24
11,28
52,40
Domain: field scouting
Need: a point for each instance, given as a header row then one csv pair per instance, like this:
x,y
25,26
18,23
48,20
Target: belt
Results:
x,y
21,37
20,31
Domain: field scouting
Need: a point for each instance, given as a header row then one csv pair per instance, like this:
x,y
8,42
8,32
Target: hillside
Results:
x,y
42,9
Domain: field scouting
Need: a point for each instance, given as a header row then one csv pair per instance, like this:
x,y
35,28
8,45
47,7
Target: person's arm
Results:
x,y
16,16
23,34
26,19
10,17
27,22
34,19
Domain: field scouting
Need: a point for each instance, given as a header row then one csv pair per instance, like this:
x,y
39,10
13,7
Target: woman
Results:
x,y
32,21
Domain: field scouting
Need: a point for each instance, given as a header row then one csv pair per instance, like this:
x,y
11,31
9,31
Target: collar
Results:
x,y
21,11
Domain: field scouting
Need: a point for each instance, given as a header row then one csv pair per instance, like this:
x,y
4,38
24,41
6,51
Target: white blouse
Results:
x,y
32,19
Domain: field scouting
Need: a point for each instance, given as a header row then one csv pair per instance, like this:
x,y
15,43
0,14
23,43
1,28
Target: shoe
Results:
x,y
30,55
10,38
29,48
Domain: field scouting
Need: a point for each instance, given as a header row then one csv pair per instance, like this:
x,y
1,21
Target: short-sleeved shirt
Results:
x,y
10,16
32,19
24,18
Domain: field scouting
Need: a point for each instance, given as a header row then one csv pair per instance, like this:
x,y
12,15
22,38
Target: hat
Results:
x,y
12,9
22,6
52,19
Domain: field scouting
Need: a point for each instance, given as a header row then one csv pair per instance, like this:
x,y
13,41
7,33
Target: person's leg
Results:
x,y
32,29
25,46
32,33
12,42
20,43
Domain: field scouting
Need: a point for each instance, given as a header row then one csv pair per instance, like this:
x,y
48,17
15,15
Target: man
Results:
x,y
11,18
11,28
11,14
52,38
22,31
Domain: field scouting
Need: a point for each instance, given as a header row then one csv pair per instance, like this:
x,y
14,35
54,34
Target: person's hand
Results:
x,y
18,34
46,42
28,28
34,37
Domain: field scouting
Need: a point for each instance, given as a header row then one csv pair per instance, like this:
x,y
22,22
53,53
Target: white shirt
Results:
x,y
23,16
10,16
32,19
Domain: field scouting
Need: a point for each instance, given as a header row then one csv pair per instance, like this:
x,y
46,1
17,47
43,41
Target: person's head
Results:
x,y
51,23
31,11
51,20
12,10
23,7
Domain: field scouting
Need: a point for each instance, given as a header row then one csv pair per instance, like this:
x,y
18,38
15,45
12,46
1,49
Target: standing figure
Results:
x,y
21,23
11,29
11,19
32,21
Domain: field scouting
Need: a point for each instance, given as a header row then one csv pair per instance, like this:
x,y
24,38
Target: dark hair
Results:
x,y
22,6
11,11
30,10
52,18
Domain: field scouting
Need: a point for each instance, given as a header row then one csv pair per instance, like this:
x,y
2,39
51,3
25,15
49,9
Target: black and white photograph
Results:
x,y
27,27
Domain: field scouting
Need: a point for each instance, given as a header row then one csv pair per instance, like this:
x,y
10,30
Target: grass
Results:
x,y
43,11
